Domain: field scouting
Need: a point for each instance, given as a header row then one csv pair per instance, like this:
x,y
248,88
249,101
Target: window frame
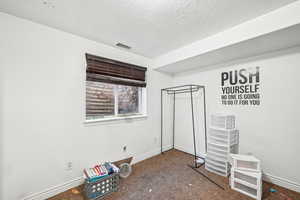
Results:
x,y
116,117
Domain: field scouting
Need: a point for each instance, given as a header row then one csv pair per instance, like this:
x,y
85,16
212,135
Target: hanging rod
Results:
x,y
182,91
183,88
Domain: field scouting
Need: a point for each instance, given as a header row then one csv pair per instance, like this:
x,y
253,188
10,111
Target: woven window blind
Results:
x,y
99,99
106,70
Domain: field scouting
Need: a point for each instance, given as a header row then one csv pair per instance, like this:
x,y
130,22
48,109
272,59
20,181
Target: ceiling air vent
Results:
x,y
124,46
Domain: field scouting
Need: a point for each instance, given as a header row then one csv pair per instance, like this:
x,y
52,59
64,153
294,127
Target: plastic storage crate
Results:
x,y
100,188
223,121
248,183
245,162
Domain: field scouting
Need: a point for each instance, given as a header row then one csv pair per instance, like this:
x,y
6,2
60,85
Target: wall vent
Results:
x,y
124,46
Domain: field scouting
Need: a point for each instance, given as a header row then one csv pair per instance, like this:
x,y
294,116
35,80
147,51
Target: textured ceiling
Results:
x,y
150,27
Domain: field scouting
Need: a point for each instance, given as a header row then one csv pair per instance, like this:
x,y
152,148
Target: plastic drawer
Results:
x,y
223,121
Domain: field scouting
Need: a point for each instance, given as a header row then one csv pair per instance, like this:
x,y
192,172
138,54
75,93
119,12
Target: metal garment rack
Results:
x,y
186,89
178,90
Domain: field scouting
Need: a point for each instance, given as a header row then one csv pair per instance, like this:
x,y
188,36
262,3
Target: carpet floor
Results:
x,y
167,177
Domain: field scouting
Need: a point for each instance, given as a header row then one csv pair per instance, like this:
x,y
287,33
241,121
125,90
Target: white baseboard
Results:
x,y
50,192
282,182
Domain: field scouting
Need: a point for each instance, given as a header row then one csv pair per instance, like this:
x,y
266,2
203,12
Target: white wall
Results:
x,y
1,132
183,123
270,131
42,112
42,121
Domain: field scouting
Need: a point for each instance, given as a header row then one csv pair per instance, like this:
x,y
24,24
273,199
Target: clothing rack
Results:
x,y
179,90
186,89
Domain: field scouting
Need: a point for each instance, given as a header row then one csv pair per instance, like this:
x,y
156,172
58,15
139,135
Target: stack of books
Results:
x,y
100,171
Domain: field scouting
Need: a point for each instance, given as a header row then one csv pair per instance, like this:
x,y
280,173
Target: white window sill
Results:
x,y
111,119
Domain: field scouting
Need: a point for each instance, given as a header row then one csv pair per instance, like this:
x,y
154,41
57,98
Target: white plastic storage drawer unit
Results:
x,y
220,150
248,183
223,137
223,121
245,162
217,161
217,166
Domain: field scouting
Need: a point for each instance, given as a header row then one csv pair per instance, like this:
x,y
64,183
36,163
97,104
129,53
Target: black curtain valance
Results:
x,y
111,71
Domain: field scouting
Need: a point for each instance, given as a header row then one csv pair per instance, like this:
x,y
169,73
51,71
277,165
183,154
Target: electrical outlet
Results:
x,y
155,140
69,166
124,148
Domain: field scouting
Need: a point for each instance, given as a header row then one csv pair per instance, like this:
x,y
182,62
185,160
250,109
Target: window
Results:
x,y
114,90
109,100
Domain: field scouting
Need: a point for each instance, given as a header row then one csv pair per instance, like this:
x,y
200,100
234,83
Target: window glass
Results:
x,y
100,100
128,99
110,100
